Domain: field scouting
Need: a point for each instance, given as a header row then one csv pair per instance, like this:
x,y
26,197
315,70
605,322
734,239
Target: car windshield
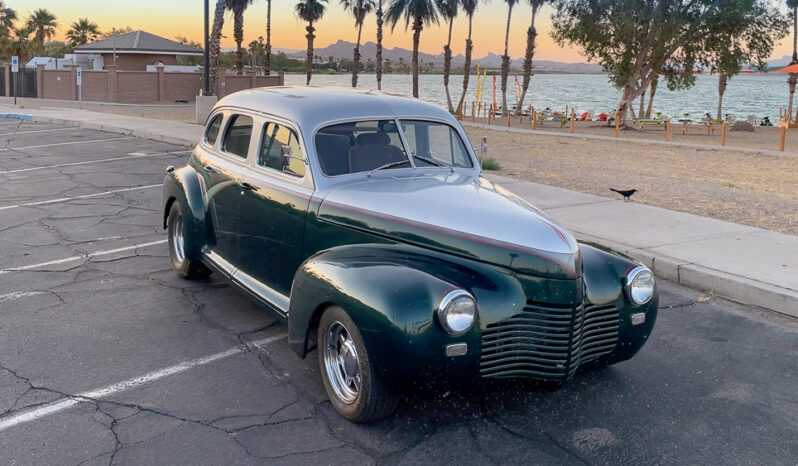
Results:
x,y
366,146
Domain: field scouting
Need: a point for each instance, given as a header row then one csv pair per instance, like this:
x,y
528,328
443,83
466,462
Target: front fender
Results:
x,y
605,278
390,292
183,185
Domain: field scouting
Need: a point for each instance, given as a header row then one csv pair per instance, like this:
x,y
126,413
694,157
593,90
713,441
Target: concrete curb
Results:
x,y
737,288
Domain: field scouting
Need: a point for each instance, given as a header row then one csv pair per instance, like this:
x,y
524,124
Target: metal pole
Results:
x,y
207,68
16,85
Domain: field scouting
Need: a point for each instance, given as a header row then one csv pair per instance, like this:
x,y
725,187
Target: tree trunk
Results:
x,y
531,35
722,79
642,105
238,33
506,60
379,45
216,36
792,80
309,59
651,92
356,68
467,65
267,65
417,26
447,66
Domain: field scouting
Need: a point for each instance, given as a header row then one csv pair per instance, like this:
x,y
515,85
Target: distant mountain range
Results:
x,y
343,49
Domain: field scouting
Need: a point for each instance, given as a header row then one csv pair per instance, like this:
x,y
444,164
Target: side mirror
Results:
x,y
286,150
483,149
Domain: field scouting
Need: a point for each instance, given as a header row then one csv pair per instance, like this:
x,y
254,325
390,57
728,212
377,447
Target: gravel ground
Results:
x,y
748,188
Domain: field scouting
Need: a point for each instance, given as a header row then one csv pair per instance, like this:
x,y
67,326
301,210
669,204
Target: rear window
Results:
x,y
212,130
237,136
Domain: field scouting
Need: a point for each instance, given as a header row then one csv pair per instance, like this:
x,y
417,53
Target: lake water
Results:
x,y
757,94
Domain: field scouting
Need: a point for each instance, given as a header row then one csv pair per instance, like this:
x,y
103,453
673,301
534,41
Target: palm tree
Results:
x,y
531,35
421,12
448,9
506,56
256,48
43,23
20,44
214,45
82,31
793,78
267,64
379,45
7,18
359,9
469,6
310,11
238,7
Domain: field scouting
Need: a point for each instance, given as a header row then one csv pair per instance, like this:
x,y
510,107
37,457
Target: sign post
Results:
x,y
15,70
80,86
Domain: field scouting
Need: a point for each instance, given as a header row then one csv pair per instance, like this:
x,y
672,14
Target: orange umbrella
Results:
x,y
788,69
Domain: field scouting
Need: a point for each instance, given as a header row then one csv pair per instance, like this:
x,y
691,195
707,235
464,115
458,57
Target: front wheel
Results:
x,y
352,383
176,231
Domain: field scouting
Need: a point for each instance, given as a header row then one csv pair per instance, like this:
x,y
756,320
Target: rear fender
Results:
x,y
185,186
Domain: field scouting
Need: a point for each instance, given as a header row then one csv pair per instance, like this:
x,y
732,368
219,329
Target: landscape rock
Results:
x,y
743,126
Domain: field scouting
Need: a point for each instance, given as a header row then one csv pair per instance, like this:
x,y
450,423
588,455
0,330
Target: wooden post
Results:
x,y
783,137
534,119
668,130
617,124
473,107
508,117
723,134
573,120
566,111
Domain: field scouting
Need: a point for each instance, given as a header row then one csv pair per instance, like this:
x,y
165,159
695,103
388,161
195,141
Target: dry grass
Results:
x,y
748,188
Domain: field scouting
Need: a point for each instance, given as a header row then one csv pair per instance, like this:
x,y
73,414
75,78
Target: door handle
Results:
x,y
249,187
210,169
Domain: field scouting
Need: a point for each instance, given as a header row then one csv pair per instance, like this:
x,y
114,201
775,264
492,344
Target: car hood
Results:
x,y
460,214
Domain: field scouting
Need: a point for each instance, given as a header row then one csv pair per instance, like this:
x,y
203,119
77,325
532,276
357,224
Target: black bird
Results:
x,y
627,195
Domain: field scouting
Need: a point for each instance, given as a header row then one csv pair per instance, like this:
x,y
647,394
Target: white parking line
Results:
x,y
81,257
65,143
19,295
56,406
84,196
87,162
36,131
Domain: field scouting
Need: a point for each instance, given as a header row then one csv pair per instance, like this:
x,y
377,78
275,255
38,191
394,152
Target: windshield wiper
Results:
x,y
435,162
387,165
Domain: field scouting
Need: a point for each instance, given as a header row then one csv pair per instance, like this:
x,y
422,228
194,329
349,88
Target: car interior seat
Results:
x,y
373,150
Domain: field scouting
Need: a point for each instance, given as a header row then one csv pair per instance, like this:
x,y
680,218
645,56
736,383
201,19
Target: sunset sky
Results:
x,y
169,18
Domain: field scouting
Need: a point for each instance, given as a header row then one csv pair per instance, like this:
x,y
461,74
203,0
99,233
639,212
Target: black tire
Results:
x,y
374,400
185,267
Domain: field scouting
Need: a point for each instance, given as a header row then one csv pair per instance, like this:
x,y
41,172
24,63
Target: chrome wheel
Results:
x,y
178,242
341,362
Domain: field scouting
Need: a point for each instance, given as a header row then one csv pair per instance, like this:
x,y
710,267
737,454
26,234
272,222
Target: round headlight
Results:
x,y
457,312
640,285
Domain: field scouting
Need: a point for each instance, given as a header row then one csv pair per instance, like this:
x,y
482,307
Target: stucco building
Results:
x,y
134,51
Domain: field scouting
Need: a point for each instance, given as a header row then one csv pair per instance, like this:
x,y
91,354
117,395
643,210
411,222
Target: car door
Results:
x,y
273,210
224,169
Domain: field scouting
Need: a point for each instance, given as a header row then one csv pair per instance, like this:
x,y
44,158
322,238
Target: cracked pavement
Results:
x,y
715,384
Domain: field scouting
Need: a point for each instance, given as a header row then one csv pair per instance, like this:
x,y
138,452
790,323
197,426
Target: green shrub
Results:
x,y
489,163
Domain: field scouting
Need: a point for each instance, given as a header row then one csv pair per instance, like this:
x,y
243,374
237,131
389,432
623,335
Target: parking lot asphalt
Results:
x,y
107,357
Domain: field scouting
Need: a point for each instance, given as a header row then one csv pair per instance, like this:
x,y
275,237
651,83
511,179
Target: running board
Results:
x,y
268,295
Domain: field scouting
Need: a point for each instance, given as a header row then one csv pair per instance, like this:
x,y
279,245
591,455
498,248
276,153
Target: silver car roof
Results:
x,y
311,107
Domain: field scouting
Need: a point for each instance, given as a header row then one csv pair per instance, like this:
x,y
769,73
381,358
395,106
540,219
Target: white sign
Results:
x,y
14,64
80,76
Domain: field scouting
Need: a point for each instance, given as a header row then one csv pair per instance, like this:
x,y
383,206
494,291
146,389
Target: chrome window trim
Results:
x,y
228,120
269,174
210,118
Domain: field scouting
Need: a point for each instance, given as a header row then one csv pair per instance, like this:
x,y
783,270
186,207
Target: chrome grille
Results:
x,y
548,342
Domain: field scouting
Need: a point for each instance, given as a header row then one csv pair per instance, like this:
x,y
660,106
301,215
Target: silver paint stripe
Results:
x,y
83,196
65,143
81,257
62,404
87,162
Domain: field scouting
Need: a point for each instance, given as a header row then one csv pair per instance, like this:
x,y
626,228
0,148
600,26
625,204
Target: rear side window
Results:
x,y
212,131
237,136
275,137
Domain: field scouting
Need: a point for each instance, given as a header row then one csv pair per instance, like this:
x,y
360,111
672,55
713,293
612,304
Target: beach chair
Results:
x,y
731,119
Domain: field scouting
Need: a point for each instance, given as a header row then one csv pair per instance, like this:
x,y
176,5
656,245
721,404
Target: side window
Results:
x,y
212,131
275,137
237,136
437,141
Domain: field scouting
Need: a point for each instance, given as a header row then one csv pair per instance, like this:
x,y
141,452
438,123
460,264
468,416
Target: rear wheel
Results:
x,y
352,383
176,230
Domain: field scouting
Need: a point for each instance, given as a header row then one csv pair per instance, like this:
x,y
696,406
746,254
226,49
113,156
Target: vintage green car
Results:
x,y
363,221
